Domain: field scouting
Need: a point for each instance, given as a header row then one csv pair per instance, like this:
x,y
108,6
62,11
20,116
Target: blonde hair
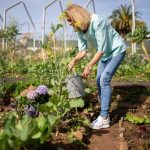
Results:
x,y
79,16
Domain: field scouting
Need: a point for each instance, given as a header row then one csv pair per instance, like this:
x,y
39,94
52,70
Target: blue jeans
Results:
x,y
105,72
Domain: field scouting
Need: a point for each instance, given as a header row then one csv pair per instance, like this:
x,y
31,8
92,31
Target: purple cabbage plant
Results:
x,y
42,89
32,95
38,96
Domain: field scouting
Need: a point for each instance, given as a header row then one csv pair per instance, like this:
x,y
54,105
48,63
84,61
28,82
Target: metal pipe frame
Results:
x,y
1,18
43,17
43,22
1,28
34,36
93,4
65,28
133,25
4,22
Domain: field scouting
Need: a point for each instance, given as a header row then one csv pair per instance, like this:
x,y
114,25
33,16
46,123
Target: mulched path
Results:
x,y
105,139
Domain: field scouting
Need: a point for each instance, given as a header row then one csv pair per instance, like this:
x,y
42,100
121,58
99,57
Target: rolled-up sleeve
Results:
x,y
82,43
101,35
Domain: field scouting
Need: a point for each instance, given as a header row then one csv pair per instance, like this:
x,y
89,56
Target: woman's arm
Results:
x,y
79,56
89,66
95,59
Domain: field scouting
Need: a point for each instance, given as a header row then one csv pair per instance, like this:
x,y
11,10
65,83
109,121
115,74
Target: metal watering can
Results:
x,y
74,85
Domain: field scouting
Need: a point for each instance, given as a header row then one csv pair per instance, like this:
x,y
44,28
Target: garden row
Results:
x,y
41,101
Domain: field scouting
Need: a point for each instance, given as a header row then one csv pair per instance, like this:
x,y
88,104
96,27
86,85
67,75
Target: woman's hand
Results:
x,y
86,72
71,65
94,60
79,56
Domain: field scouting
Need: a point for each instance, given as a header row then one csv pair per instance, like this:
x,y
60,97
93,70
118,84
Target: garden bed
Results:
x,y
73,134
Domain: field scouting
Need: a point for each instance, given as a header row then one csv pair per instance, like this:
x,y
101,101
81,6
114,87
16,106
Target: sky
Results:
x,y
35,8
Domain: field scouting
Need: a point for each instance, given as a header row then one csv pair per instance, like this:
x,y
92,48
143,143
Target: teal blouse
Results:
x,y
103,37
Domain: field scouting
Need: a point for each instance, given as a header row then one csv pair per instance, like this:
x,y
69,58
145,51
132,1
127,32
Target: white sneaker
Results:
x,y
100,123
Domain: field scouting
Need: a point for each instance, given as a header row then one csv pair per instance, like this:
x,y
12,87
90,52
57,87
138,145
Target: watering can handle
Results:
x,y
73,72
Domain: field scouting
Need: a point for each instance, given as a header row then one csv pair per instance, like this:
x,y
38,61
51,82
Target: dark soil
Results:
x,y
137,136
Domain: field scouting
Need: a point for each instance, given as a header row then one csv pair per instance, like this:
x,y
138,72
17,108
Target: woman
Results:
x,y
110,53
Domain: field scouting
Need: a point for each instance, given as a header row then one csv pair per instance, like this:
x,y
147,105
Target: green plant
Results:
x,y
137,120
139,35
3,70
50,72
35,131
9,32
51,40
133,68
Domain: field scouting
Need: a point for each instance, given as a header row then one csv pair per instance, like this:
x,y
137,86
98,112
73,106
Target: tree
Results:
x,y
121,19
